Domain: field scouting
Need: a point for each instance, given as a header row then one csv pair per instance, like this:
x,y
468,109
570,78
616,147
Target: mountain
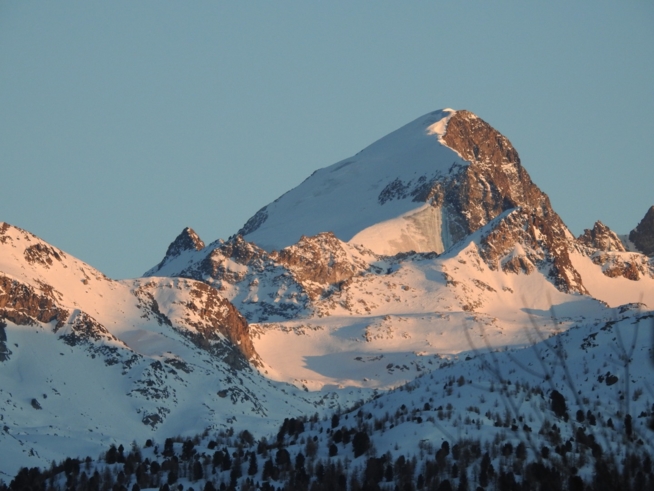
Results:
x,y
86,360
428,257
433,230
421,188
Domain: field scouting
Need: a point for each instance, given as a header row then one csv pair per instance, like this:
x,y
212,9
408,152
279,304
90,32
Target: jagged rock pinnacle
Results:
x,y
186,241
601,237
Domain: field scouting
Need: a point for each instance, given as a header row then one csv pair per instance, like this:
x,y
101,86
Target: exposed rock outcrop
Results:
x,y
523,242
602,238
278,284
607,250
493,183
187,240
495,180
319,261
632,266
22,305
643,235
207,319
216,318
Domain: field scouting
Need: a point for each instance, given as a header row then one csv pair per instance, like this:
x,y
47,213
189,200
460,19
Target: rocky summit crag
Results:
x,y
643,235
412,258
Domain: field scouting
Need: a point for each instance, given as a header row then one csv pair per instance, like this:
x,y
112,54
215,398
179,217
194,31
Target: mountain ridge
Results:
x,y
455,252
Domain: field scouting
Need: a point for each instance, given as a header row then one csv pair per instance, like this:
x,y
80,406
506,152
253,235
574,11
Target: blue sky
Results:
x,y
123,122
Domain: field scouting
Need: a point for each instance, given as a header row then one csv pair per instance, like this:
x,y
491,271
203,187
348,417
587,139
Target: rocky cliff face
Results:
x,y
602,238
279,284
607,251
493,183
643,235
202,315
523,242
495,180
22,305
320,262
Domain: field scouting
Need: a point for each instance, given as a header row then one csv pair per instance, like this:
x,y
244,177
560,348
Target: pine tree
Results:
x,y
253,467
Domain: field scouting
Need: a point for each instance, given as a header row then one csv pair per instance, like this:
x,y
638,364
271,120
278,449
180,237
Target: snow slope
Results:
x,y
412,313
570,405
354,198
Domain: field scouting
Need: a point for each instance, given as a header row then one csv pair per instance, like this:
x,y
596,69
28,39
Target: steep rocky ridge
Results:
x,y
322,262
643,235
187,240
495,180
606,250
273,285
602,238
202,315
541,239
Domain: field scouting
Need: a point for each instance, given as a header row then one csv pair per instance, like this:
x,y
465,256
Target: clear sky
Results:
x,y
122,122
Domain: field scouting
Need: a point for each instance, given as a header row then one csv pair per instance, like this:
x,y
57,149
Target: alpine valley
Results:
x,y
414,317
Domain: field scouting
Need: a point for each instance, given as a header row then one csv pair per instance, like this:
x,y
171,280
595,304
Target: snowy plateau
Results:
x,y
414,317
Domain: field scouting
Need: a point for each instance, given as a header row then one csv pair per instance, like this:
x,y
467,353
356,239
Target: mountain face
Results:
x,y
379,260
643,235
422,188
427,250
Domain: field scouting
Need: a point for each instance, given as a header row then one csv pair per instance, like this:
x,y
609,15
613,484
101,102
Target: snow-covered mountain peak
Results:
x,y
420,188
384,181
185,241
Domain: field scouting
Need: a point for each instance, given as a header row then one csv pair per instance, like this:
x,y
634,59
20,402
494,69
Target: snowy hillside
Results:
x,y
412,313
86,360
572,411
351,196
